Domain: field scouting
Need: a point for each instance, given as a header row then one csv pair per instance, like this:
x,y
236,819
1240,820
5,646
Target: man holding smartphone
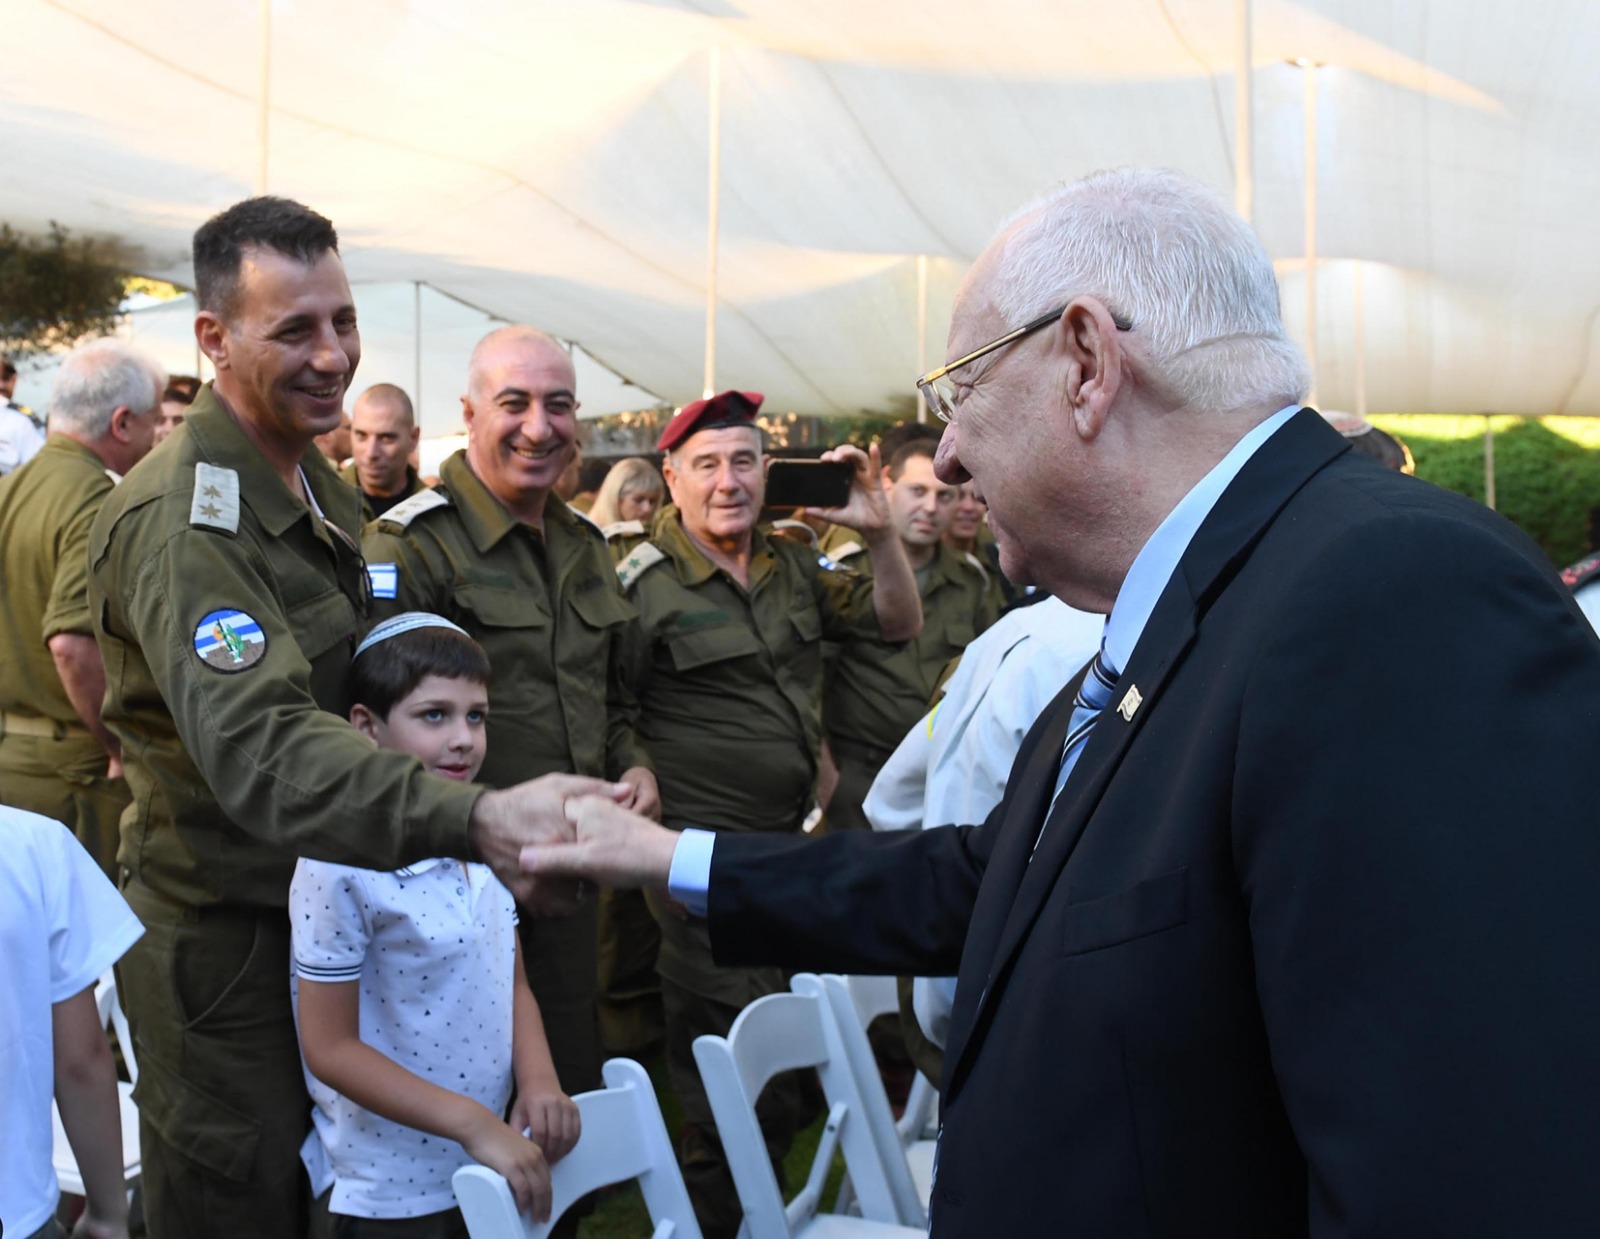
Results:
x,y
727,667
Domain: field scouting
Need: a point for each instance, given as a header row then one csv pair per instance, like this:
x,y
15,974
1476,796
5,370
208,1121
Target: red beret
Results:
x,y
728,408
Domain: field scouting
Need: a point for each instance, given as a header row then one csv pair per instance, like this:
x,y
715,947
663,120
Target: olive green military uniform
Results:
x,y
373,507
227,612
49,761
548,612
729,682
878,690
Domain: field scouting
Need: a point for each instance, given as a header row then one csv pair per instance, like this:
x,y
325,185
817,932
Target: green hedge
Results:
x,y
1547,470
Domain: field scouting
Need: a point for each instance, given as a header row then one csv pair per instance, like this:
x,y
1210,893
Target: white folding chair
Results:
x,y
786,1032
856,1001
875,996
623,1138
61,1155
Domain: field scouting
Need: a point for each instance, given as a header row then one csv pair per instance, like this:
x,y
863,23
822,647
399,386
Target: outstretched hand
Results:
x,y
611,845
530,817
867,512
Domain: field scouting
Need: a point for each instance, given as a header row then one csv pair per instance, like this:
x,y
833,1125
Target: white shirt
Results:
x,y
433,946
952,767
20,438
62,924
1147,578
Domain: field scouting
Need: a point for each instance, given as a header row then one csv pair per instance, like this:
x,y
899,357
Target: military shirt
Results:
x,y
877,690
374,506
729,679
545,607
227,613
46,509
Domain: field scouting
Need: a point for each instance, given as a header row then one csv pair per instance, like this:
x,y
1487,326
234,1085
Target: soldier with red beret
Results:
x,y
727,665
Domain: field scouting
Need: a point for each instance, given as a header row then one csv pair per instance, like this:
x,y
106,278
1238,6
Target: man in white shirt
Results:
x,y
21,436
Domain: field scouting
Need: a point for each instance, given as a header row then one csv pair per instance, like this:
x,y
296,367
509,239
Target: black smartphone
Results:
x,y
809,483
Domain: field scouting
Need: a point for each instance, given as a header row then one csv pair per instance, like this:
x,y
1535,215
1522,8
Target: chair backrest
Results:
x,y
847,1013
623,1138
784,1032
113,1017
875,996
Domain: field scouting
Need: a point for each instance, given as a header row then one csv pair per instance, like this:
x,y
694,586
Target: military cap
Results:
x,y
729,408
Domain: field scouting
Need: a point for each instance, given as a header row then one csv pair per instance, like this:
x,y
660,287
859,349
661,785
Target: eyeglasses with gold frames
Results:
x,y
939,393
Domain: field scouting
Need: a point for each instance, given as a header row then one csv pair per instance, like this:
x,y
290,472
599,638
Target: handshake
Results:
x,y
547,838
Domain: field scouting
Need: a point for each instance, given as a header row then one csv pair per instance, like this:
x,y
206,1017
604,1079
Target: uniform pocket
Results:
x,y
1151,906
711,645
498,607
807,625
601,608
211,963
959,633
196,1124
322,623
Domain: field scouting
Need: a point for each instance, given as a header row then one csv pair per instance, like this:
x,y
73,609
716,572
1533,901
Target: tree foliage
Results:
x,y
56,290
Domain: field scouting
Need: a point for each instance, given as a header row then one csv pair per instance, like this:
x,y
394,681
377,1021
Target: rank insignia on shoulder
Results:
x,y
407,510
829,564
229,641
622,529
639,561
384,579
216,498
838,554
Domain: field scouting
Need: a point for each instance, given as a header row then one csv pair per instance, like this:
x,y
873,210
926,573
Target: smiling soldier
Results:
x,y
226,592
494,549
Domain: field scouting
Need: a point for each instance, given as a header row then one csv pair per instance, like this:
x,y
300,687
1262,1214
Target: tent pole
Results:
x,y
922,329
263,98
416,347
1361,343
1244,182
713,210
1310,71
1488,462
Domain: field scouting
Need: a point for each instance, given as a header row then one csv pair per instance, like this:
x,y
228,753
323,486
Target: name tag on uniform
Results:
x,y
384,579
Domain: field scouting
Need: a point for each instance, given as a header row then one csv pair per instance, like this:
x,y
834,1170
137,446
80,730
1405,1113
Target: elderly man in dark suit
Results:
x,y
1283,926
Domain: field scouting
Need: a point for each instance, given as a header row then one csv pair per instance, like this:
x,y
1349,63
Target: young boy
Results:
x,y
415,1017
62,924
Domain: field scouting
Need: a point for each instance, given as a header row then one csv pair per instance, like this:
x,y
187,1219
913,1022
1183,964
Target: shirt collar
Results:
x,y
1158,558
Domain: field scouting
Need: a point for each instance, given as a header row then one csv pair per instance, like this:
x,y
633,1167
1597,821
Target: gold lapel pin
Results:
x,y
1131,701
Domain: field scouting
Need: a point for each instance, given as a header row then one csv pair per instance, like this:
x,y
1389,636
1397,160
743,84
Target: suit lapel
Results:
x,y
1015,890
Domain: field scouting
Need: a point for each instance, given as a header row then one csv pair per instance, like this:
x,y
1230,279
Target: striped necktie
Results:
x,y
1094,695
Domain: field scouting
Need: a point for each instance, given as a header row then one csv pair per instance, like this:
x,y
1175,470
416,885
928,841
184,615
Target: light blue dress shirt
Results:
x,y
1157,560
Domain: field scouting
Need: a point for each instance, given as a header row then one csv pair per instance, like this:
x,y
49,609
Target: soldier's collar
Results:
x,y
486,519
222,442
696,567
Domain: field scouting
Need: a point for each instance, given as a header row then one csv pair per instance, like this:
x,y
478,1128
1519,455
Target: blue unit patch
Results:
x,y
229,641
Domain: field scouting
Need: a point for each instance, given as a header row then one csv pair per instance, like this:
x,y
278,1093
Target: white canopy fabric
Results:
x,y
547,162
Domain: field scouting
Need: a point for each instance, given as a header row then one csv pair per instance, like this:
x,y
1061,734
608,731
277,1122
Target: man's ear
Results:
x,y
365,721
888,481
211,333
468,415
121,417
1087,337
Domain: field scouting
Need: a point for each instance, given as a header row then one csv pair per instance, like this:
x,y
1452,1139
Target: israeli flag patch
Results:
x,y
384,580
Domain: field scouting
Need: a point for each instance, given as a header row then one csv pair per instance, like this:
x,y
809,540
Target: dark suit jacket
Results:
x,y
1309,942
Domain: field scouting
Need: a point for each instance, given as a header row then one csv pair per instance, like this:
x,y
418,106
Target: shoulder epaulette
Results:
x,y
588,520
622,529
216,498
976,563
407,510
1582,572
639,561
840,553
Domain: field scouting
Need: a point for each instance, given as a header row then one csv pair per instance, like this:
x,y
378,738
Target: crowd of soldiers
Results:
x,y
180,622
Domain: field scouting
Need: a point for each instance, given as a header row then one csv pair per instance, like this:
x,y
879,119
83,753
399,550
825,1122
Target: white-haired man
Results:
x,y
1214,977
56,756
